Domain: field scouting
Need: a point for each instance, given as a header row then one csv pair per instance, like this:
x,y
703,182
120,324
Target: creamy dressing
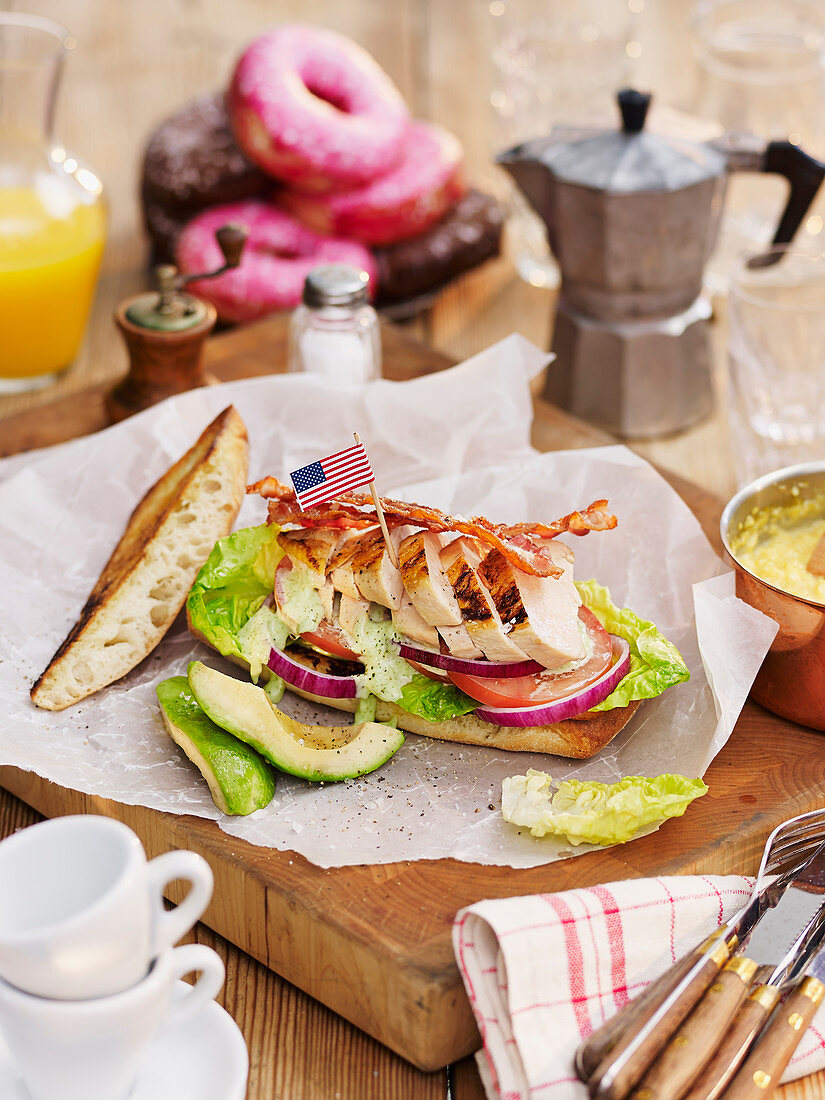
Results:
x,y
275,688
365,710
301,606
373,637
385,672
259,635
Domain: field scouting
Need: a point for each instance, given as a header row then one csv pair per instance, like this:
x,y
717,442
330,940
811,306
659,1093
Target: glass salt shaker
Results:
x,y
335,332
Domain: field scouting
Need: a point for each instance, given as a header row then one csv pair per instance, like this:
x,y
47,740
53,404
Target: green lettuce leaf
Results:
x,y
655,663
232,584
435,701
586,812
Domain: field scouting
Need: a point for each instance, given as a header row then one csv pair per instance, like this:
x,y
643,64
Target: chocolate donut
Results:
x,y
468,234
192,160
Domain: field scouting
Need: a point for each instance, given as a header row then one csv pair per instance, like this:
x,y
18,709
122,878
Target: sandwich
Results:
x,y
460,629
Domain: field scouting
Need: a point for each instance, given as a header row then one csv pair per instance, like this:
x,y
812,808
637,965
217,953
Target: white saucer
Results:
x,y
201,1058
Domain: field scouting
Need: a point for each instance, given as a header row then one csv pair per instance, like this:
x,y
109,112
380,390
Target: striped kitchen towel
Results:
x,y
543,972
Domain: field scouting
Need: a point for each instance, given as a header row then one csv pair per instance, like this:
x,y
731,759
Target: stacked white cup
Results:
x,y
88,970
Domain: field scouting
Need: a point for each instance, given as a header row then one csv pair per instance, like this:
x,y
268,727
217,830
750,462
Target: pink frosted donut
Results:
x,y
310,106
410,198
278,256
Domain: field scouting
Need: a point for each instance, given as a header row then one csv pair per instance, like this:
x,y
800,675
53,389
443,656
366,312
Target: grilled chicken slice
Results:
x,y
412,627
339,566
375,575
309,551
425,581
459,642
310,547
350,611
461,559
543,611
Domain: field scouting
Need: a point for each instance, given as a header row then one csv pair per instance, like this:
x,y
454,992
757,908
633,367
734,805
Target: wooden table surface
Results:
x,y
135,63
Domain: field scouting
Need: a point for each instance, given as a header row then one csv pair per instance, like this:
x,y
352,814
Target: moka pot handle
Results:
x,y
803,172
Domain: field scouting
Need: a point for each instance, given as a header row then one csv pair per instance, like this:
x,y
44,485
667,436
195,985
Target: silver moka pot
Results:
x,y
632,217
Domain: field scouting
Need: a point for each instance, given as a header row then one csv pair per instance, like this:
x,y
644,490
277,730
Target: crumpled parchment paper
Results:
x,y
458,440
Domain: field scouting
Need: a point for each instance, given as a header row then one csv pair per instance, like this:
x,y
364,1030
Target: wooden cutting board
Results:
x,y
373,942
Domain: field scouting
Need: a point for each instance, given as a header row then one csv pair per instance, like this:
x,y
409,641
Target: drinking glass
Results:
x,y
776,349
761,70
554,63
52,215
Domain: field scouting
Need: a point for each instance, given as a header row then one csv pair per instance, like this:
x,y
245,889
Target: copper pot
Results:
x,y
791,681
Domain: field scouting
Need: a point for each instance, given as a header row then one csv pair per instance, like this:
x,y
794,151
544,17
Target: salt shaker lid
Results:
x,y
336,285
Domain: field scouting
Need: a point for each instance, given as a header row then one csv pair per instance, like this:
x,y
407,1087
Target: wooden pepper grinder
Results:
x,y
164,331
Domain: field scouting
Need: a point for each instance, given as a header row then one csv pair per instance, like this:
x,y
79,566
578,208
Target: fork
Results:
x,y
616,1056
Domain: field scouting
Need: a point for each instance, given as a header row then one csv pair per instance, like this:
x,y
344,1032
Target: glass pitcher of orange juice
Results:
x,y
52,213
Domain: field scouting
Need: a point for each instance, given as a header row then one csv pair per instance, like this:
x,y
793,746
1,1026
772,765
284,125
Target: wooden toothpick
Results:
x,y
381,519
816,562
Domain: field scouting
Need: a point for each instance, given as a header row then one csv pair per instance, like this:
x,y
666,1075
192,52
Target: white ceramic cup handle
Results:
x,y
171,924
185,960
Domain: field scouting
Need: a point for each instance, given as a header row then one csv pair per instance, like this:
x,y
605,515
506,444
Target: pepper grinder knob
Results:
x,y
633,106
231,240
165,332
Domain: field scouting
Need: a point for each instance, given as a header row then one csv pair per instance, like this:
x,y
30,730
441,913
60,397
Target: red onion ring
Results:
x,y
478,667
307,679
545,714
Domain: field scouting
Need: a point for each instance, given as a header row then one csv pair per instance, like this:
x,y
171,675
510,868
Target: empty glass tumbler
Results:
x,y
776,347
762,71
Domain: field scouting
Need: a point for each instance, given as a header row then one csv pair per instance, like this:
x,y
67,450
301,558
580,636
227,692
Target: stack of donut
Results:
x,y
313,149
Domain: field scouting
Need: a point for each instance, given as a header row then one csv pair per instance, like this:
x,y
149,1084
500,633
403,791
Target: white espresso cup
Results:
x,y
91,1050
81,908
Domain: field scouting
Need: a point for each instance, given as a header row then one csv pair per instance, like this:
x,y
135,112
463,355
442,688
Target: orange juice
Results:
x,y
51,243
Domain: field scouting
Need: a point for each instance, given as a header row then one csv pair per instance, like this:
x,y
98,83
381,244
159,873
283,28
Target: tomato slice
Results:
x,y
542,687
326,636
431,673
331,639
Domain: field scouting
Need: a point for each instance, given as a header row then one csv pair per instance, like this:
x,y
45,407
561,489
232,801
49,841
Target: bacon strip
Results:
x,y
354,510
594,518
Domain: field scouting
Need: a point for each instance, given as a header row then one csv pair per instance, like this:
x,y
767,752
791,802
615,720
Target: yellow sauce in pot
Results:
x,y
775,544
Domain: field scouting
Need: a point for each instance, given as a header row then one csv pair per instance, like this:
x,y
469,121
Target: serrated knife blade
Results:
x,y
779,928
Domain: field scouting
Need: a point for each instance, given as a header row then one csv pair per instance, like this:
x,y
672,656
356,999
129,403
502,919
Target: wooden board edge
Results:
x,y
427,1020
422,997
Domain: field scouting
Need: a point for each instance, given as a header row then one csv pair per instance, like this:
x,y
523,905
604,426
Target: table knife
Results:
x,y
695,1041
629,1046
760,1072
759,1003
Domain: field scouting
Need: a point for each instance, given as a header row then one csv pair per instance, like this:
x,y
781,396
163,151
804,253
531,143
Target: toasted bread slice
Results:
x,y
145,582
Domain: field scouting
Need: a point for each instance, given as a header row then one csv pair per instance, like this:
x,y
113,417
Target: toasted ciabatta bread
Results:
x,y
145,582
578,738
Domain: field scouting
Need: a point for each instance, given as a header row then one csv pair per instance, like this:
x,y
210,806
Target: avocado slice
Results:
x,y
240,782
310,752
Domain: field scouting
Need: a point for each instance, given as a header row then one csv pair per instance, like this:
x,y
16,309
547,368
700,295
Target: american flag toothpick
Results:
x,y
339,473
380,513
